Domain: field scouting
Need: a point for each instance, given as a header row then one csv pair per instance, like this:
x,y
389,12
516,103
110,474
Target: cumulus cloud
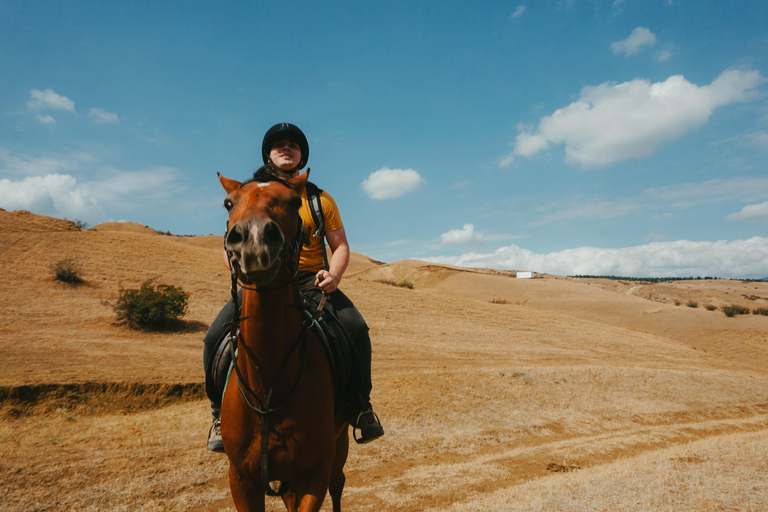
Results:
x,y
389,183
613,122
463,236
640,37
49,99
79,186
102,116
46,119
55,195
519,11
751,212
742,258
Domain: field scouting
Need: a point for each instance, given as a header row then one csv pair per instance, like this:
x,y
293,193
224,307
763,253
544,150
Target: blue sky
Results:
x,y
575,137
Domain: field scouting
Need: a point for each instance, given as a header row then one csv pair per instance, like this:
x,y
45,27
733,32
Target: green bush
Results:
x,y
760,311
67,271
151,307
710,307
735,309
692,304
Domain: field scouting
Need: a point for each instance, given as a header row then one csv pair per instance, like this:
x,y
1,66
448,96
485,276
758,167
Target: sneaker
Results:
x,y
215,444
369,425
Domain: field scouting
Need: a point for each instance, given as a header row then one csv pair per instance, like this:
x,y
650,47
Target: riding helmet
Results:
x,y
285,131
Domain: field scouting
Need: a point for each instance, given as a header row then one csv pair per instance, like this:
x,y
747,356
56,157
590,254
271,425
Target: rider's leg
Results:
x,y
213,366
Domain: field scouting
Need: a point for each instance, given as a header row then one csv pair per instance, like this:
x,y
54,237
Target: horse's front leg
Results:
x,y
247,496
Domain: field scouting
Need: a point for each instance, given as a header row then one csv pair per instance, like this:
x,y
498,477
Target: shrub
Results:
x,y
710,307
401,284
735,309
499,301
692,304
760,311
67,271
151,307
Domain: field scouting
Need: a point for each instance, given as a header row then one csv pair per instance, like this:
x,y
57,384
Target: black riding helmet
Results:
x,y
285,131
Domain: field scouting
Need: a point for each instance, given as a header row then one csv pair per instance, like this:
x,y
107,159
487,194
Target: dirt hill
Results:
x,y
495,392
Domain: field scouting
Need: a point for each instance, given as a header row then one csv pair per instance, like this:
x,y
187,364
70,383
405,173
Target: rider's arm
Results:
x,y
329,279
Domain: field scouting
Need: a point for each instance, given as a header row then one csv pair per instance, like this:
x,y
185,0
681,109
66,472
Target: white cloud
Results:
x,y
49,99
738,258
79,186
463,236
751,212
46,119
612,122
55,195
641,36
389,183
102,116
663,56
519,11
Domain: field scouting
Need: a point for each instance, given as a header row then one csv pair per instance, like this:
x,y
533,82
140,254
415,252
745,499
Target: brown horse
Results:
x,y
278,417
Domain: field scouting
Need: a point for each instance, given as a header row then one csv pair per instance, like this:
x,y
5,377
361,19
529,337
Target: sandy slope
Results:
x,y
477,397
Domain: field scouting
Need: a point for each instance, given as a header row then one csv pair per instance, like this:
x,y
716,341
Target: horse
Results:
x,y
279,420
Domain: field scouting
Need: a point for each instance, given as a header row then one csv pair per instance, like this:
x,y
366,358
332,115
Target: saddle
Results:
x,y
336,341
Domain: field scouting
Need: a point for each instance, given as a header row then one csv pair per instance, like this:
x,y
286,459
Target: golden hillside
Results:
x,y
496,393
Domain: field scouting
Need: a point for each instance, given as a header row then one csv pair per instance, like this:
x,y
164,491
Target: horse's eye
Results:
x,y
228,204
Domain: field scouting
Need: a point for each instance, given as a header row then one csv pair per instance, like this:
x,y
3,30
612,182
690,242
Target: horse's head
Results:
x,y
264,226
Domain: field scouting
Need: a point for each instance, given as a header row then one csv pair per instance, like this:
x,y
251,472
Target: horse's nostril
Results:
x,y
234,236
272,233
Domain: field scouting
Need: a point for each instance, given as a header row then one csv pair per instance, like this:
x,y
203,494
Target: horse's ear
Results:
x,y
228,183
299,182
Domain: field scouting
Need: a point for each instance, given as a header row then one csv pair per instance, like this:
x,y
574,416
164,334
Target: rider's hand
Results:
x,y
326,281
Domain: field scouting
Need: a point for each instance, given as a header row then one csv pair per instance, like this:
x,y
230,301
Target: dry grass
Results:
x,y
577,395
726,473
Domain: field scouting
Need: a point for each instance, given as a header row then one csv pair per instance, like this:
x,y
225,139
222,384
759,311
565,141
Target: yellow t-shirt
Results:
x,y
312,250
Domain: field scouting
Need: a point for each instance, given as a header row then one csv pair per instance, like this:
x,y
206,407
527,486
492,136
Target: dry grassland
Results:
x,y
564,394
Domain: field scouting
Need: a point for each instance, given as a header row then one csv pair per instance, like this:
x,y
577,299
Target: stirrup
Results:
x,y
375,429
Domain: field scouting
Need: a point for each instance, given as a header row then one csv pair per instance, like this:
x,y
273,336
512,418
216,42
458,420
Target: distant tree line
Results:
x,y
658,279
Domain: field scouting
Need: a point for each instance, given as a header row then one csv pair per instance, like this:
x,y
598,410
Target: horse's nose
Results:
x,y
263,231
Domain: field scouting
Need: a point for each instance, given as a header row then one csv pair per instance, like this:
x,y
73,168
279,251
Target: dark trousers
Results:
x,y
336,303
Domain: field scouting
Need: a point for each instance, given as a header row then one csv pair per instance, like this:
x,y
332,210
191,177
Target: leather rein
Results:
x,y
264,408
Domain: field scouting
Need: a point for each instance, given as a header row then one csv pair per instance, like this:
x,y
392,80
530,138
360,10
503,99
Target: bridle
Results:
x,y
289,257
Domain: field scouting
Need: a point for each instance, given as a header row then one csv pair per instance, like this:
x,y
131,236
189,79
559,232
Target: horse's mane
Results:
x,y
262,174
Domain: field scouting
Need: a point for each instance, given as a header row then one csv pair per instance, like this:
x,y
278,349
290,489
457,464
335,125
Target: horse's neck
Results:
x,y
270,328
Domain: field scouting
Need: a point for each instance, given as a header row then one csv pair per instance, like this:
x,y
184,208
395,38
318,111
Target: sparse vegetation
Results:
x,y
151,307
80,224
499,301
710,307
735,309
67,271
401,284
760,311
692,304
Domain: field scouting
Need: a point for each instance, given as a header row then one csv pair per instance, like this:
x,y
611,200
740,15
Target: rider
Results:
x,y
285,151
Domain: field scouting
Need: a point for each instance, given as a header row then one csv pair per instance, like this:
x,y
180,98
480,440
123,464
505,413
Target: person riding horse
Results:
x,y
285,151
